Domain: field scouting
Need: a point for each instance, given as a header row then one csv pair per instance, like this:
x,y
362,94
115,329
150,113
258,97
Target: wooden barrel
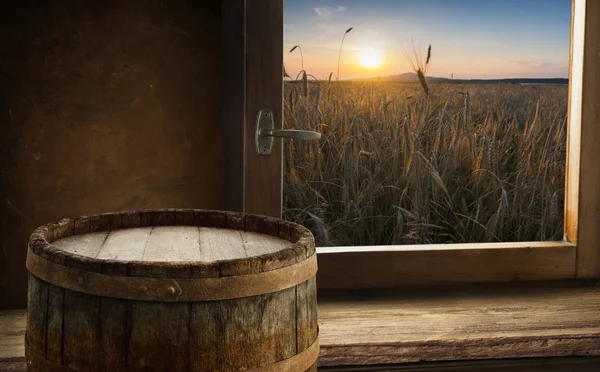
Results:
x,y
172,290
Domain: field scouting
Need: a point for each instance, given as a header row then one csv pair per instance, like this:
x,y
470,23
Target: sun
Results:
x,y
370,58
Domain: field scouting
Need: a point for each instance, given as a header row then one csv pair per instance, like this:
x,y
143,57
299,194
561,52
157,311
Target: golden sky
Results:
x,y
469,38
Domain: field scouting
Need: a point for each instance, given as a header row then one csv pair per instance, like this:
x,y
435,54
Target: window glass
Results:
x,y
443,121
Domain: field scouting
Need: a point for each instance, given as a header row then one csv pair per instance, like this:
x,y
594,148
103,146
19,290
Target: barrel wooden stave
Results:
x,y
127,332
102,333
114,325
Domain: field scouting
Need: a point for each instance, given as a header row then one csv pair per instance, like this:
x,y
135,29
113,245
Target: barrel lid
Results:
x,y
173,243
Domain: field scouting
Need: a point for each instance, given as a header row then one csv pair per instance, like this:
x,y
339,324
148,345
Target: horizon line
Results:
x,y
438,77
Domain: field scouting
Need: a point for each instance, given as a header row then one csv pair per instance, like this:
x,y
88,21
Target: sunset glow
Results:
x,y
470,39
370,58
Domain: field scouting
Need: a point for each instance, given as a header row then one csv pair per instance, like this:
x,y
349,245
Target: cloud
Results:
x,y
325,11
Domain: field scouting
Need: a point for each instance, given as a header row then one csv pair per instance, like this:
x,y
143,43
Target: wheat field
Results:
x,y
466,163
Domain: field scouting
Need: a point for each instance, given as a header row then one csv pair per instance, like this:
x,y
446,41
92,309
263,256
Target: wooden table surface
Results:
x,y
386,327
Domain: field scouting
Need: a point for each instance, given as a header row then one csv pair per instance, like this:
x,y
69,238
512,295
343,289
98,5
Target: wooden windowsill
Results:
x,y
525,320
436,324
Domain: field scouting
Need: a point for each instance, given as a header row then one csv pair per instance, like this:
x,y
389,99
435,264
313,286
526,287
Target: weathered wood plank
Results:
x,y
114,335
280,259
131,219
262,224
403,326
64,228
88,245
220,244
257,244
173,243
236,220
159,332
208,269
252,331
571,364
37,306
81,323
210,218
186,241
306,316
163,217
125,245
54,326
177,243
81,225
244,266
184,217
105,222
81,333
159,336
12,333
13,366
205,326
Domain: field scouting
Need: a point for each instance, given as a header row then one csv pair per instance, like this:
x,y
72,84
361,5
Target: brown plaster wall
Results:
x,y
104,106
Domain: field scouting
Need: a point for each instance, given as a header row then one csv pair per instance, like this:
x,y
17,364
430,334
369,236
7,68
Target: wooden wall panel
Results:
x,y
105,106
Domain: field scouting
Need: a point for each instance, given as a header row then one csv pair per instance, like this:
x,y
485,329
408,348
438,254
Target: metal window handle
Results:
x,y
265,132
290,133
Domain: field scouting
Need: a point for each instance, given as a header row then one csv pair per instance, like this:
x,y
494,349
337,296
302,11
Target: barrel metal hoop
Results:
x,y
299,362
171,289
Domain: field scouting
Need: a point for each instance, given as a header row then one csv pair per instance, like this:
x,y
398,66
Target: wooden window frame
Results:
x,y
253,47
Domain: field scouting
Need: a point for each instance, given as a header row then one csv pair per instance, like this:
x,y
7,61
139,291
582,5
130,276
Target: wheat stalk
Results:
x,y
504,181
420,67
301,56
340,54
